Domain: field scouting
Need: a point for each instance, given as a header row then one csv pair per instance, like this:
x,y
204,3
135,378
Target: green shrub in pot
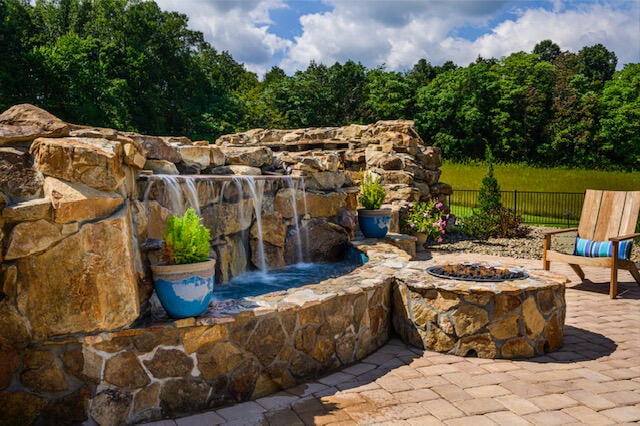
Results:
x,y
184,282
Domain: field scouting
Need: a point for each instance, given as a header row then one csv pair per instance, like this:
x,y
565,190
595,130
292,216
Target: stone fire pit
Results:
x,y
478,313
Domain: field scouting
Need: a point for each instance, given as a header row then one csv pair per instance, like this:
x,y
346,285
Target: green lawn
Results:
x,y
560,209
529,219
525,178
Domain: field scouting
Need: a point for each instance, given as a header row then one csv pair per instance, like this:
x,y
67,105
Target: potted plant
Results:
x,y
184,281
373,221
427,221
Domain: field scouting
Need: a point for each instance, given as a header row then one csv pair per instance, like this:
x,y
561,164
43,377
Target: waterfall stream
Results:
x,y
178,192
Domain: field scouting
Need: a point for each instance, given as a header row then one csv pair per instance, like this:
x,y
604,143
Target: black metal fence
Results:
x,y
536,208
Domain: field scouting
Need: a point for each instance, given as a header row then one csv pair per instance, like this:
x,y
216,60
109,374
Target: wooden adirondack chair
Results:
x,y
606,216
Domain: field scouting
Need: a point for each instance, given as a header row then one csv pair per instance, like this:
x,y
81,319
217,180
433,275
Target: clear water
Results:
x,y
256,283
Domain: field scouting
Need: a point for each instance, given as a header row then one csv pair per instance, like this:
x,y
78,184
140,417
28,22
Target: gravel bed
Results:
x,y
529,247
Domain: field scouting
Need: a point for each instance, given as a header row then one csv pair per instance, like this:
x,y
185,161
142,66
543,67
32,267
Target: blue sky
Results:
x,y
397,33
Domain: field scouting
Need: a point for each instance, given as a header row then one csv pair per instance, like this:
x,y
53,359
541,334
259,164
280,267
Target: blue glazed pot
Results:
x,y
374,223
184,290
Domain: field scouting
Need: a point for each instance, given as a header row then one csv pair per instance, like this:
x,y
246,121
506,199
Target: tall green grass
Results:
x,y
526,178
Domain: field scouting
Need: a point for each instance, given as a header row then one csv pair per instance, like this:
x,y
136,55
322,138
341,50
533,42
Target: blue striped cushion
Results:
x,y
589,248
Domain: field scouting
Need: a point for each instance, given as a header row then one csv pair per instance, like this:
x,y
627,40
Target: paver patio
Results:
x,y
593,379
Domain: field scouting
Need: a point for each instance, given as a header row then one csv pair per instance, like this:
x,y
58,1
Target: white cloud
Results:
x,y
238,26
398,33
572,30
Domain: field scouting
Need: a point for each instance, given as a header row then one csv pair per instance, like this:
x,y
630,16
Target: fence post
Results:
x,y
515,202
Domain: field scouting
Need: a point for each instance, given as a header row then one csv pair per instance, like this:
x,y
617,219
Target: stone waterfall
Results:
x,y
247,230
75,281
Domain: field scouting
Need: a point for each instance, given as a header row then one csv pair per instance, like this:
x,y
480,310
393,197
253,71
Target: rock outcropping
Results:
x,y
73,220
331,158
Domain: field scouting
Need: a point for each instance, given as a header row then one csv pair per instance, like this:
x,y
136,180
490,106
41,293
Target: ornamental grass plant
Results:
x,y
372,193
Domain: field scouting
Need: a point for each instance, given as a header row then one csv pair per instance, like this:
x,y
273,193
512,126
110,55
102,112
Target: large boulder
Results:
x,y
199,156
27,238
324,181
18,178
290,201
317,241
430,157
216,156
248,156
313,161
38,208
90,161
161,167
25,122
231,254
236,169
134,154
228,218
76,202
156,147
91,277
273,230
79,131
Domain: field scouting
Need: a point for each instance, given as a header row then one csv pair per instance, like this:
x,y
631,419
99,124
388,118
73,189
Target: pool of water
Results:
x,y
255,283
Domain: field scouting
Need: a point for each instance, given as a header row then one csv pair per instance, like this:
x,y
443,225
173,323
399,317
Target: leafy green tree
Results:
x,y
75,82
422,73
389,95
598,64
523,108
55,18
547,50
620,118
260,102
574,123
457,109
347,90
16,33
491,219
323,96
489,198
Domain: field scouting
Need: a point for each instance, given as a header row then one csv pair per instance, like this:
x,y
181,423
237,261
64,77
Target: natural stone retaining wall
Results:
x,y
247,349
74,276
73,224
237,351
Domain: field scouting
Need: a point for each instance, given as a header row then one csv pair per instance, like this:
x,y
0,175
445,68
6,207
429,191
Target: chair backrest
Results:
x,y
608,214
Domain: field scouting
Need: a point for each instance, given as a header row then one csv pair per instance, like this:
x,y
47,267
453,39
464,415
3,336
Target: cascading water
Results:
x,y
177,193
293,190
256,190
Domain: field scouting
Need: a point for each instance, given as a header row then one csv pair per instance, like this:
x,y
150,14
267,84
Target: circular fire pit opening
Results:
x,y
476,272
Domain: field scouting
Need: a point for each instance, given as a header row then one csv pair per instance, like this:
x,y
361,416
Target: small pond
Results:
x,y
255,283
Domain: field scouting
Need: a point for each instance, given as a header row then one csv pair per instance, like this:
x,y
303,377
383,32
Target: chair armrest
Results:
x,y
559,231
624,237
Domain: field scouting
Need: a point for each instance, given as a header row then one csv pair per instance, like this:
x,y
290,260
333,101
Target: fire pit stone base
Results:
x,y
510,319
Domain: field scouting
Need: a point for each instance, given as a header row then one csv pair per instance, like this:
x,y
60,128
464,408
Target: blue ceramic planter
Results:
x,y
374,223
184,290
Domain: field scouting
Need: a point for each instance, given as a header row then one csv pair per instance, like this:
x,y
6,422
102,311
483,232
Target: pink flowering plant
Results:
x,y
428,218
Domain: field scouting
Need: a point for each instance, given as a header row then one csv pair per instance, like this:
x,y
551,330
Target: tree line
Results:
x,y
127,64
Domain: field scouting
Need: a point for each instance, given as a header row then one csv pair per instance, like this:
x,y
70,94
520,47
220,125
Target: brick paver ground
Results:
x,y
593,379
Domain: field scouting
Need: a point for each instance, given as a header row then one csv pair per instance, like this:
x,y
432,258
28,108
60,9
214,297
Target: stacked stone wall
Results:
x,y
245,351
72,228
